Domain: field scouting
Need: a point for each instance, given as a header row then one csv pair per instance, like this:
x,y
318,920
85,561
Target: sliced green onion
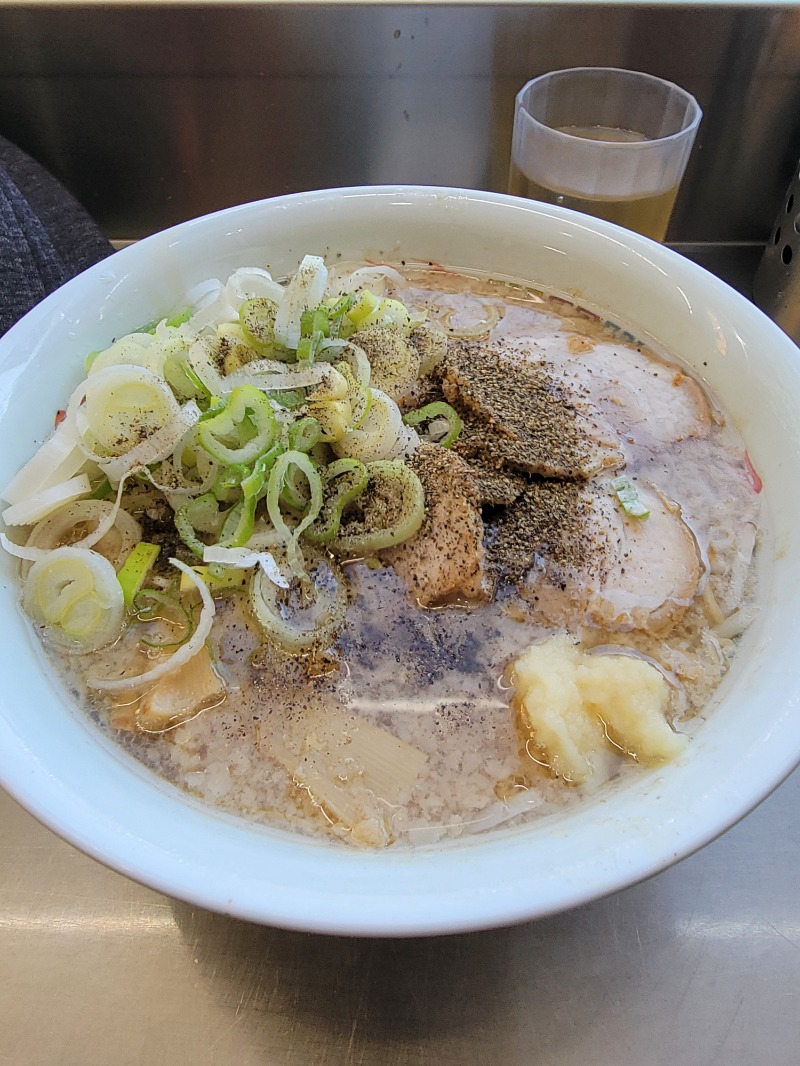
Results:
x,y
136,568
275,487
339,308
331,405
629,498
306,617
288,398
304,434
361,404
243,530
254,483
351,477
363,306
309,347
58,458
305,289
394,361
334,386
194,380
336,419
257,319
215,407
185,530
104,491
174,320
120,407
42,504
90,358
204,513
148,327
243,430
390,313
74,594
315,320
152,605
356,358
380,433
430,341
224,577
306,322
237,527
179,317
315,327
295,493
391,510
230,479
187,651
438,409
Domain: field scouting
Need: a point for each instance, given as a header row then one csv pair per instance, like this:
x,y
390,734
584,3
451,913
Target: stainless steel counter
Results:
x,y
700,966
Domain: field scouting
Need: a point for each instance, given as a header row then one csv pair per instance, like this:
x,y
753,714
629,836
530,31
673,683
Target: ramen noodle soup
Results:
x,y
388,555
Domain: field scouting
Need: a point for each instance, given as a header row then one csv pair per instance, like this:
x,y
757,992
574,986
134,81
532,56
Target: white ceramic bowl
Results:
x,y
53,761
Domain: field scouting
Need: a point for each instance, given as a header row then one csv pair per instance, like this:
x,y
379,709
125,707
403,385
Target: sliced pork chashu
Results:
x,y
444,560
517,414
583,558
643,397
656,572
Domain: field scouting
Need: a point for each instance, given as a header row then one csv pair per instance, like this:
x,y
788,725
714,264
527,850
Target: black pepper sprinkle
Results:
x,y
517,415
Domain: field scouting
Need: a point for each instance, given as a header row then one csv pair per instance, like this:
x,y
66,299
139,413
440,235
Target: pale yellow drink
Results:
x,y
645,214
566,151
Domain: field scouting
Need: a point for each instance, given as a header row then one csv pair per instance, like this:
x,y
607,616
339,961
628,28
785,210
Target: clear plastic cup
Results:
x,y
611,143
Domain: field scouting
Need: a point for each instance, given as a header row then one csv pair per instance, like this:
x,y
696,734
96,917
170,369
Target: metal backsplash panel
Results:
x,y
153,115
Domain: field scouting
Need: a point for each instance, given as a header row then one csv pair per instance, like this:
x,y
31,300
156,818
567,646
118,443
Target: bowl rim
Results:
x,y
445,889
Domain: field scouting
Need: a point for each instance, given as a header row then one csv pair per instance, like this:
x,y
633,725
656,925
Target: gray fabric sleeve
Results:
x,y
46,237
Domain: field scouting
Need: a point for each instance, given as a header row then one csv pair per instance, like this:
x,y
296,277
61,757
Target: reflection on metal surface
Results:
x,y
153,922
697,965
742,929
154,114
